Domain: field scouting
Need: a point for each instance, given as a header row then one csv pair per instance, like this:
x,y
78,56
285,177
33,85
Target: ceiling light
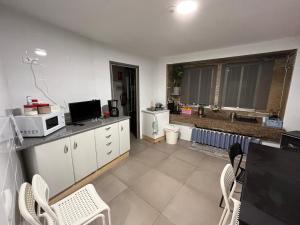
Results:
x,y
187,6
40,52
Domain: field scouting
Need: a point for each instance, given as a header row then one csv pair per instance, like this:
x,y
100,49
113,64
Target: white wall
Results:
x,y
4,101
11,176
291,119
75,69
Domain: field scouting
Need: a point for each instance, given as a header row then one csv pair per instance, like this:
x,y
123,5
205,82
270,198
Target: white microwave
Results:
x,y
40,125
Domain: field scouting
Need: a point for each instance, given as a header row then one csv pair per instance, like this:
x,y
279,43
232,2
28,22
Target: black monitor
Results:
x,y
80,111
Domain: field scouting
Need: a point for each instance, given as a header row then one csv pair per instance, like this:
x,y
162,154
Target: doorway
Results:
x,y
125,89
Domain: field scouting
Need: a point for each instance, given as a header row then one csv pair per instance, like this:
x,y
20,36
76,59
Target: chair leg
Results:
x,y
96,217
226,216
221,202
103,219
222,198
108,216
221,222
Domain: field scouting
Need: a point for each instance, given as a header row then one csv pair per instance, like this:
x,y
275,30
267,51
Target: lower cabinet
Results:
x,y
107,144
124,136
65,161
83,154
53,161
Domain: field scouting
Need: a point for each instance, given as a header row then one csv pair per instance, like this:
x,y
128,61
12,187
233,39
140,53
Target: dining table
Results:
x,y
271,189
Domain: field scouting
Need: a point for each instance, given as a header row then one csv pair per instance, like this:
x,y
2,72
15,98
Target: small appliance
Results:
x,y
113,108
201,112
159,106
40,125
80,111
173,107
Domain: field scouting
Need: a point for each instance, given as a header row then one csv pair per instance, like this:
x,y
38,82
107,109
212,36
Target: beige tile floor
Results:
x,y
161,184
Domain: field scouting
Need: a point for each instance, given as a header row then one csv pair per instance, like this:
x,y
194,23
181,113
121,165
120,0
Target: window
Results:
x,y
196,86
247,85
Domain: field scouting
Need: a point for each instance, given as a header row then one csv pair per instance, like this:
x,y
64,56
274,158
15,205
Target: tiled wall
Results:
x,y
11,176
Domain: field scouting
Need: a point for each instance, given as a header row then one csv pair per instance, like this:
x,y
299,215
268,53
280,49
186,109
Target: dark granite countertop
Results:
x,y
243,128
69,130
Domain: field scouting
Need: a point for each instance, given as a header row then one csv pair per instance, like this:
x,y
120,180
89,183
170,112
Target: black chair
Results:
x,y
234,151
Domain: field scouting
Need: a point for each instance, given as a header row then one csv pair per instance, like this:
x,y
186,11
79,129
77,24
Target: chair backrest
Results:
x,y
234,151
40,191
228,183
27,205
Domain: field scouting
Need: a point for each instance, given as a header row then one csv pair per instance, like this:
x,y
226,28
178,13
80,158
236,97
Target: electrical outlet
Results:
x,y
28,60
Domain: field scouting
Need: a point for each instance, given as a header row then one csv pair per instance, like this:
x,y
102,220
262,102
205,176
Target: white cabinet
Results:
x,y
107,144
83,154
53,161
154,123
124,135
65,161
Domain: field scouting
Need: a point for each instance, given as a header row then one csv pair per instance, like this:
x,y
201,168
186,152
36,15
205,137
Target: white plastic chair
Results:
x,y
227,179
236,212
27,207
80,208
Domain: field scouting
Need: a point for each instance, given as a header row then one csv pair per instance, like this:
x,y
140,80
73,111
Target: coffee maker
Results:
x,y
113,108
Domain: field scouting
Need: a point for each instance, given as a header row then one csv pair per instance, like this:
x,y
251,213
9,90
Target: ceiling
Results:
x,y
150,28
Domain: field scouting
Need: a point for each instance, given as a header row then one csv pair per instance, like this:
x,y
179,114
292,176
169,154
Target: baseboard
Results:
x,y
152,140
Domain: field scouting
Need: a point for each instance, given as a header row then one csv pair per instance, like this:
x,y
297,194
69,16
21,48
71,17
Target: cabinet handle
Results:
x,y
75,145
66,149
122,128
108,144
108,136
107,128
108,153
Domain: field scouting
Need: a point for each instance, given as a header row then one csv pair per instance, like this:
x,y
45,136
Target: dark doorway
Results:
x,y
124,83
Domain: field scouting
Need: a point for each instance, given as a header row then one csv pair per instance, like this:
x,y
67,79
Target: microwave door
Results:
x,y
51,124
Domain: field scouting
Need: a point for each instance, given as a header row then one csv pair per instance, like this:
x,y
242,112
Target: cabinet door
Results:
x,y
124,134
163,119
54,164
83,154
107,144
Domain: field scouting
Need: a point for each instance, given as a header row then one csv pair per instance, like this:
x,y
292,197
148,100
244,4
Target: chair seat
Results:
x,y
79,207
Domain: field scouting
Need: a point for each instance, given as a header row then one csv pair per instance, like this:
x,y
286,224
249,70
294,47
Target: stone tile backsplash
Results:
x,y
11,175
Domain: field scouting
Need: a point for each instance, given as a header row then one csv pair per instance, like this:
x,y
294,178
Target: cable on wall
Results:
x,y
38,87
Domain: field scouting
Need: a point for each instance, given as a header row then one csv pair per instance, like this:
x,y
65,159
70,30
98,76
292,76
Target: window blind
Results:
x,y
247,85
196,85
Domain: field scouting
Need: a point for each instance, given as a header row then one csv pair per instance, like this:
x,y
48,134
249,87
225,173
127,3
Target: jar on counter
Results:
x,y
30,110
43,108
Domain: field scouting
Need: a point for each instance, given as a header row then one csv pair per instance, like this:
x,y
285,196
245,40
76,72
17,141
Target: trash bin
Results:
x,y
172,133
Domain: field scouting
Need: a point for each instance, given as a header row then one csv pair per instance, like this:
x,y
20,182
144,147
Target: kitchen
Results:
x,y
77,68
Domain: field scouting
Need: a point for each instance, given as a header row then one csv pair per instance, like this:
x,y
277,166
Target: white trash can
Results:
x,y
172,134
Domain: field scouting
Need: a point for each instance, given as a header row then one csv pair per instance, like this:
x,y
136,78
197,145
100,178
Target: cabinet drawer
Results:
x,y
109,153
107,144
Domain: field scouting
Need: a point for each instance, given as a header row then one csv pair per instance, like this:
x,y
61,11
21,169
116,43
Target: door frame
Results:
x,y
136,67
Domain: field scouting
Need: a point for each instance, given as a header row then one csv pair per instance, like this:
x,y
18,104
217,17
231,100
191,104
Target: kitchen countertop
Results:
x,y
69,130
155,112
243,128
